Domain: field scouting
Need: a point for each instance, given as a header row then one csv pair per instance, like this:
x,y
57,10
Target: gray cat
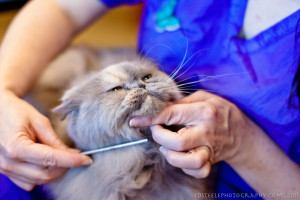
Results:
x,y
97,109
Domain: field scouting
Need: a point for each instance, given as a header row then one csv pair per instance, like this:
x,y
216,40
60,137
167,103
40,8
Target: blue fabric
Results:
x,y
263,67
262,70
9,191
114,3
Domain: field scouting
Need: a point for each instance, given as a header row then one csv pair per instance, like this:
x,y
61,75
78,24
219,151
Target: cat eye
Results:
x,y
147,77
116,88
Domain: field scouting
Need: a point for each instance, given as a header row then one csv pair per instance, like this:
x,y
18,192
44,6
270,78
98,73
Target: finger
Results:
x,y
166,137
36,178
15,176
24,185
196,97
46,134
199,173
29,172
40,154
180,114
194,159
187,138
35,174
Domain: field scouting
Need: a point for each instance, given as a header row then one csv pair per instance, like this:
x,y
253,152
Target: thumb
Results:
x,y
179,114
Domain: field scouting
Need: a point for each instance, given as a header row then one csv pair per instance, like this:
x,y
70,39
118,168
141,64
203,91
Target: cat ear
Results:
x,y
71,101
66,108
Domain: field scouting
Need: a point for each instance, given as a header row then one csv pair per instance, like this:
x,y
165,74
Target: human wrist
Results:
x,y
7,93
9,83
246,146
6,90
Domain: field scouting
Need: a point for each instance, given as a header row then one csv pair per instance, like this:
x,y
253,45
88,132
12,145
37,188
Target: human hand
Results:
x,y
214,131
30,152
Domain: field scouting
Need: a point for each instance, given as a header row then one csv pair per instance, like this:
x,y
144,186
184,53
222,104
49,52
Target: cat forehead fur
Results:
x,y
127,72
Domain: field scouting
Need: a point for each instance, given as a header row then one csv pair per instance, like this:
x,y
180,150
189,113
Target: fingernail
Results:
x,y
87,161
162,150
74,150
151,128
133,122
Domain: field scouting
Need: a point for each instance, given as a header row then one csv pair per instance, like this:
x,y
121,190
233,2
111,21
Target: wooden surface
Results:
x,y
117,28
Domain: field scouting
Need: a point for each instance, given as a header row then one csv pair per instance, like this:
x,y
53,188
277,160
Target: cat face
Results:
x,y
101,105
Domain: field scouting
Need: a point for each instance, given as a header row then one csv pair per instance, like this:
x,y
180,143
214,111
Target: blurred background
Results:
x,y
117,28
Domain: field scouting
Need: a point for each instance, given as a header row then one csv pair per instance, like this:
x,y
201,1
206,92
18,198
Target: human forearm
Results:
x,y
265,166
39,32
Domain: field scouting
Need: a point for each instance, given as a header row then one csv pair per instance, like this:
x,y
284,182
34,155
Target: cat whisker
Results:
x,y
175,71
192,63
173,76
144,57
190,78
182,89
183,62
191,91
184,56
195,90
194,82
190,83
156,45
210,78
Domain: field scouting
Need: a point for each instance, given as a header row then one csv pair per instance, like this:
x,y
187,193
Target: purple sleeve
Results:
x,y
9,191
114,3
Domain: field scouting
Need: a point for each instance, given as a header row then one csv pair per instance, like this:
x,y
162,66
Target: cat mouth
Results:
x,y
172,98
150,107
144,104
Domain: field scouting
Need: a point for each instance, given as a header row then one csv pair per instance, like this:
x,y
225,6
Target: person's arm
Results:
x,y
216,130
41,30
265,166
30,151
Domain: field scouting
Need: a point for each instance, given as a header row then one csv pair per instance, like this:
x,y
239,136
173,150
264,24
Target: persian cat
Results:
x,y
104,90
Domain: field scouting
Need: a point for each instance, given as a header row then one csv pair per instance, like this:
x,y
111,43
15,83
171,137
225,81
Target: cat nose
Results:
x,y
138,85
142,85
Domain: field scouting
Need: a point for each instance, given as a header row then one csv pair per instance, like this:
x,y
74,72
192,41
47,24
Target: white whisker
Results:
x,y
210,78
190,78
176,70
192,63
160,44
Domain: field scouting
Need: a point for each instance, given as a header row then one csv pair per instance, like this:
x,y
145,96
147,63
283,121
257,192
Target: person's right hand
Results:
x,y
30,152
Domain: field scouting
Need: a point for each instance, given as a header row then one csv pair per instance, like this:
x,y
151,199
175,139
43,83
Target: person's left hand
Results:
x,y
214,130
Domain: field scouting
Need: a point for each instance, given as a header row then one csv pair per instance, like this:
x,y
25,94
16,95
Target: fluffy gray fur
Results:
x,y
98,108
